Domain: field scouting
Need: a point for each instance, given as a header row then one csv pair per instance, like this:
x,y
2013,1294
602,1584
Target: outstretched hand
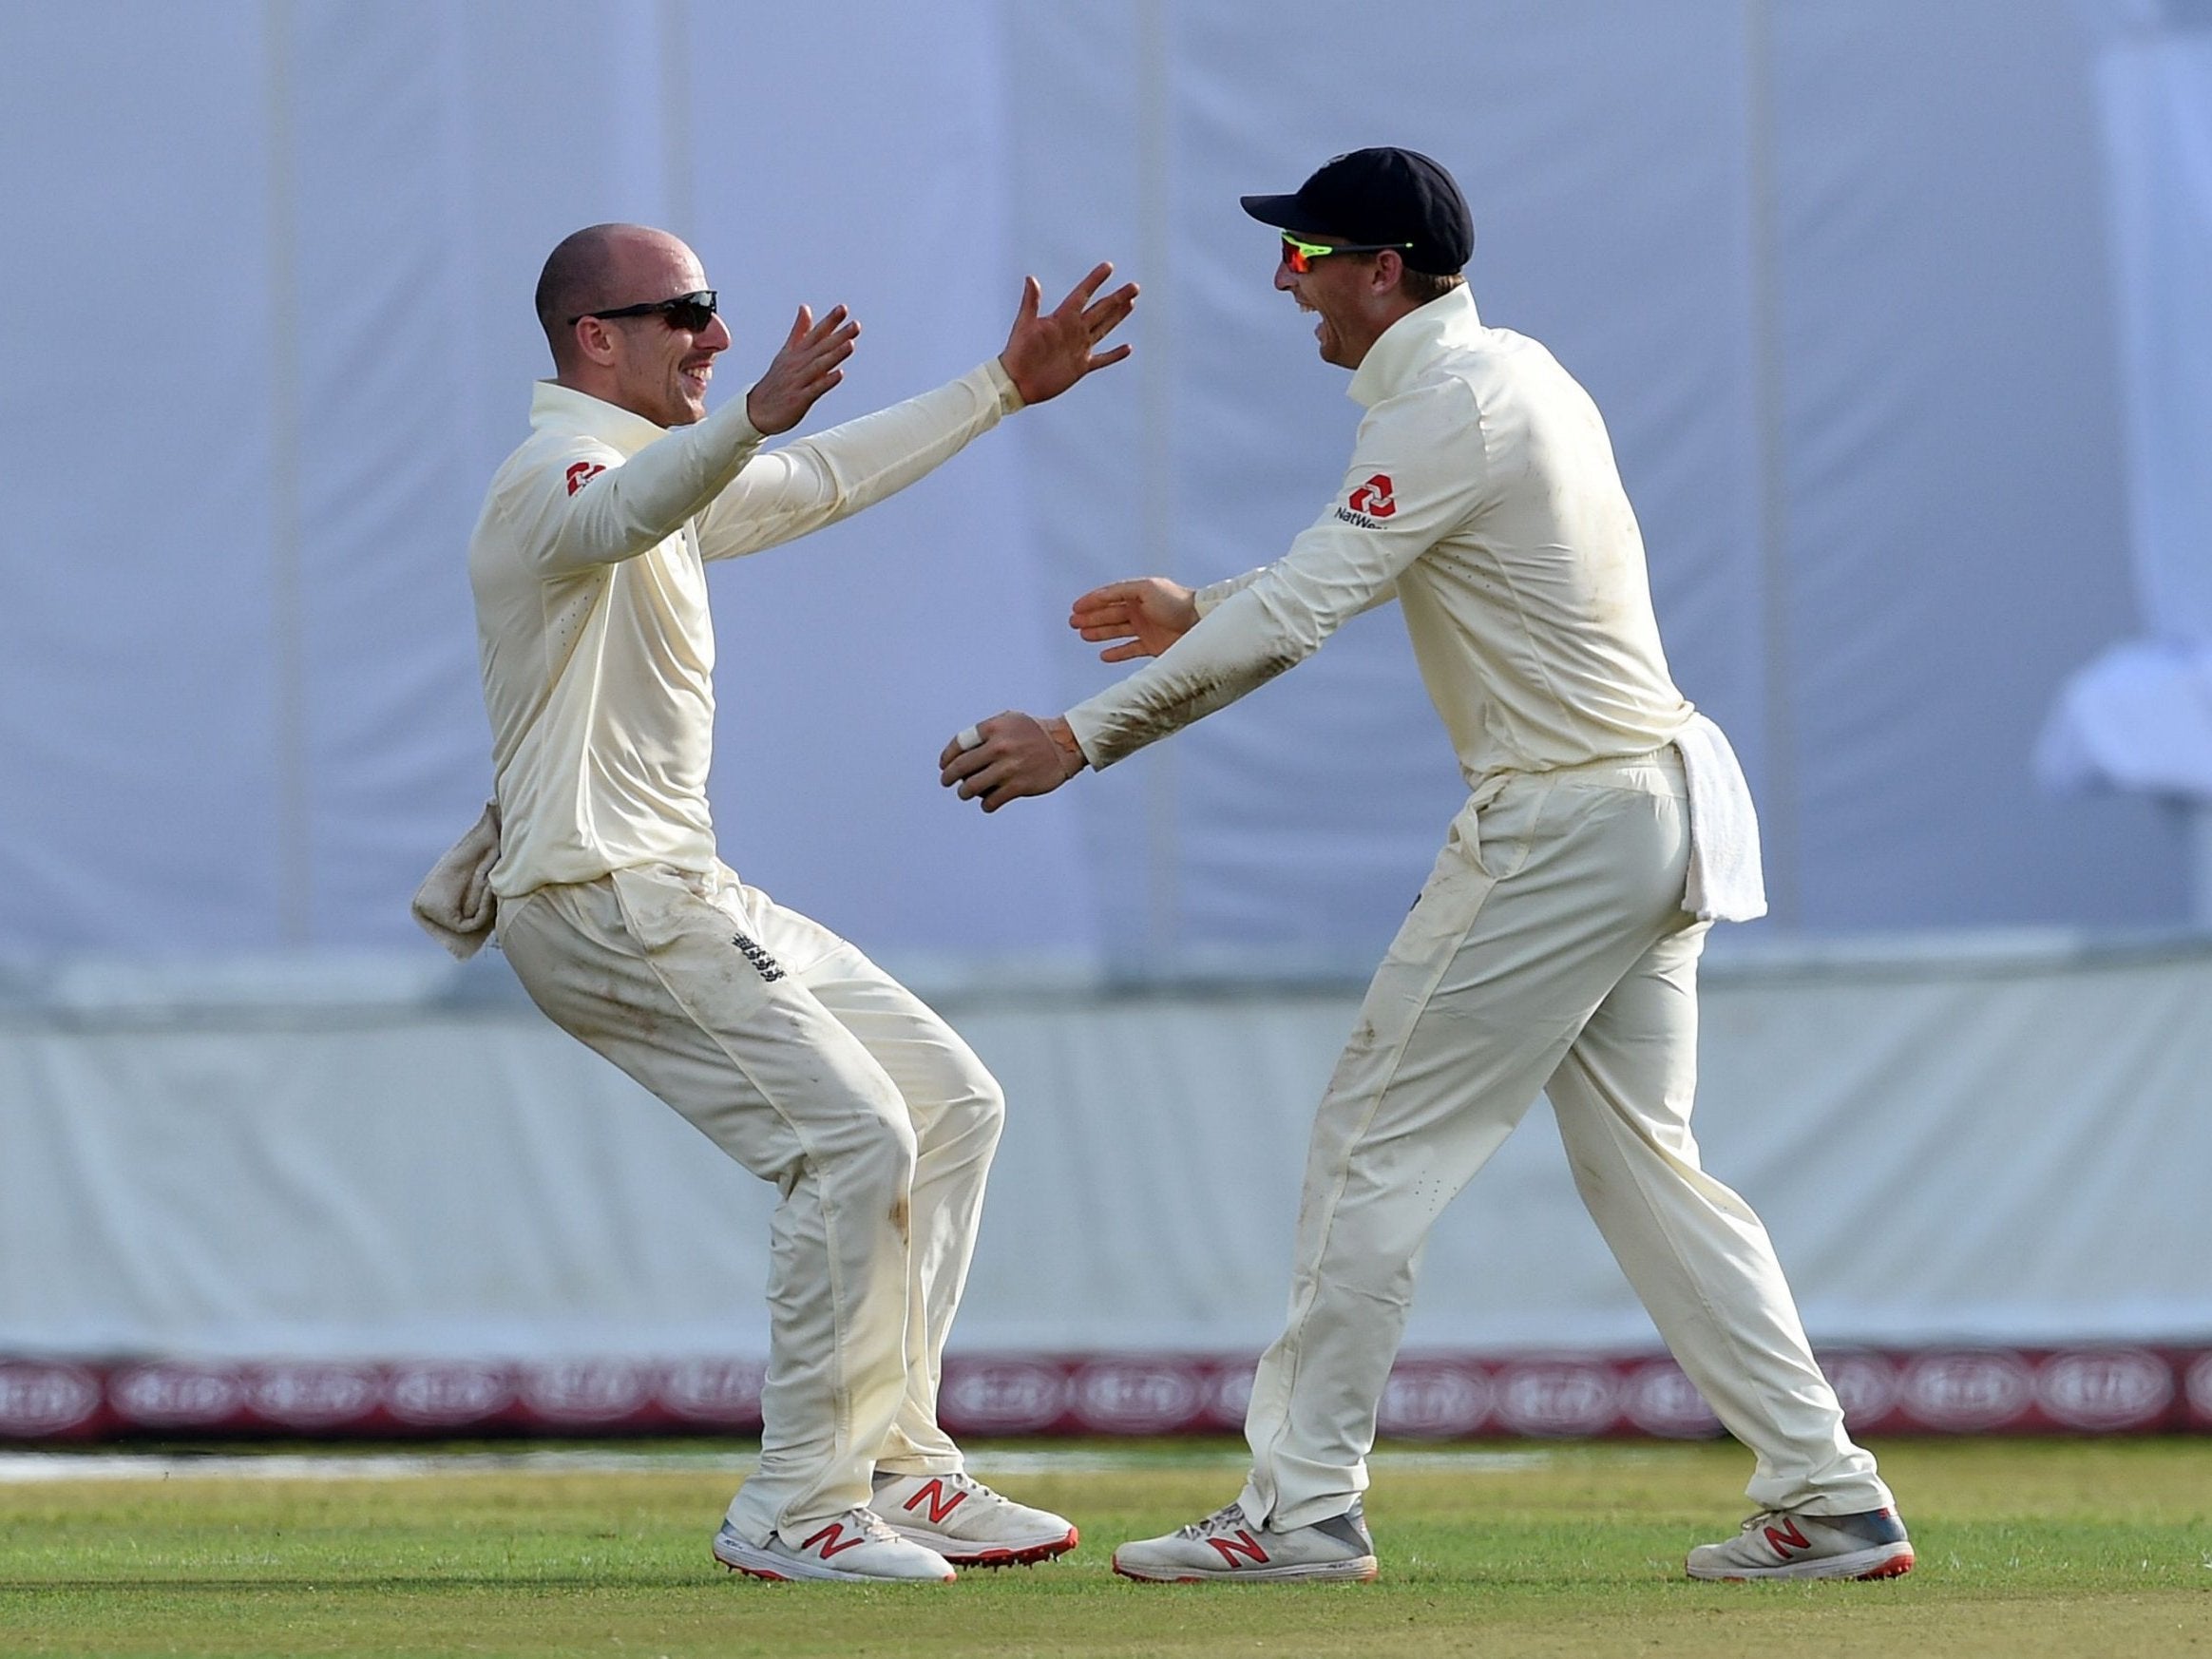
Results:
x,y
802,371
1046,354
1007,757
1150,614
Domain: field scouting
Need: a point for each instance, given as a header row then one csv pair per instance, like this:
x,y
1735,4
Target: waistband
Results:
x,y
1632,771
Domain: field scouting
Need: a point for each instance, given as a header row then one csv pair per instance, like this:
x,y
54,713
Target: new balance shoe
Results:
x,y
1228,1545
854,1548
967,1523
1790,1544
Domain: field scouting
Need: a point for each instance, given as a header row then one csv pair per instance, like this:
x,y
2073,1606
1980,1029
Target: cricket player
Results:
x,y
779,1040
1553,946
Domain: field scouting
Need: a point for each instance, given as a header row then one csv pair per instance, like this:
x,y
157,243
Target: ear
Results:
x,y
595,340
1388,267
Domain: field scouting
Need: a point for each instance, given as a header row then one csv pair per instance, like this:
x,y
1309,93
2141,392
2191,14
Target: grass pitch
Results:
x,y
2026,1548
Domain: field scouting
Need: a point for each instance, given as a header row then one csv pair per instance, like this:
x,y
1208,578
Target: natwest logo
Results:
x,y
1374,498
582,474
1433,1399
1003,1397
312,1395
590,1391
174,1396
2105,1388
1664,1402
1975,1389
1867,1386
38,1399
1559,1397
446,1393
1228,1395
1145,1397
716,1391
2199,1389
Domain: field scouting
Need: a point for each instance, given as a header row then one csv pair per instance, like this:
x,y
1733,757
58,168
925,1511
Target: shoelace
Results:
x,y
871,1526
1753,1523
1226,1519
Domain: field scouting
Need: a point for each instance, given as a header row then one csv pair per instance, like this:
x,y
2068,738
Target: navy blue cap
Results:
x,y
1385,195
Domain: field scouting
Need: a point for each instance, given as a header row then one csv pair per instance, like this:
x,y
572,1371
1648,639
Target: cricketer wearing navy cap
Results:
x,y
1377,200
1554,945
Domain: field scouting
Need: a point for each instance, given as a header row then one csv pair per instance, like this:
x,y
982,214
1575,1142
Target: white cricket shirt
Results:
x,y
592,624
1482,493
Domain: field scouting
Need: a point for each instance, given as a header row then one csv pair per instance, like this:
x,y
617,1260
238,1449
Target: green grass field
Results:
x,y
2026,1548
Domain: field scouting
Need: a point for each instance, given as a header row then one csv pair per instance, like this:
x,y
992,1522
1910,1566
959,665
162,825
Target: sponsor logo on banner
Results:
x,y
310,1396
1865,1384
1433,1399
38,1399
174,1396
1001,1397
1229,1394
1137,1397
1662,1400
2105,1388
585,1391
432,1395
715,1391
2199,1389
1973,1389
1559,1397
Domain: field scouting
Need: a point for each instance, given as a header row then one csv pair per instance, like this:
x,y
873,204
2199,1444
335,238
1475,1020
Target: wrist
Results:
x,y
1072,759
1011,396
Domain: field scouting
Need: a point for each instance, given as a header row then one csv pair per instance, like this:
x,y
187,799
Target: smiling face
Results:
x,y
646,364
1354,296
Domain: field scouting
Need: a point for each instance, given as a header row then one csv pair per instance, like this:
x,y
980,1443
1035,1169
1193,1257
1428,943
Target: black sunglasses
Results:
x,y
689,311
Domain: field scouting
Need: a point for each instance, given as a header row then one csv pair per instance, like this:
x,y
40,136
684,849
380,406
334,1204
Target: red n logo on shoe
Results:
x,y
834,1534
1787,1532
1243,1544
940,1504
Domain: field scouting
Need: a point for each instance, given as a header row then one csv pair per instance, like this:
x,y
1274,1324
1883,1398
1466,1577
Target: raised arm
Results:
x,y
816,480
616,509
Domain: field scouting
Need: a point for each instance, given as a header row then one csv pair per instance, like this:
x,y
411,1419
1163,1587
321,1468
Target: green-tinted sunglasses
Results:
x,y
1300,256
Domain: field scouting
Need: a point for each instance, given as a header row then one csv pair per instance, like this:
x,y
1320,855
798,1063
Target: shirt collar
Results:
x,y
1406,344
555,408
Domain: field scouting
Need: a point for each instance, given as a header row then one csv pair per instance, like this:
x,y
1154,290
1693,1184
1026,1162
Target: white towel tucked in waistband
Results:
x,y
455,904
1725,881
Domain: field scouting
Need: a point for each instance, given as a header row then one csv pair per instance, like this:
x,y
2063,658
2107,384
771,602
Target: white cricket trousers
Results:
x,y
1548,952
815,1070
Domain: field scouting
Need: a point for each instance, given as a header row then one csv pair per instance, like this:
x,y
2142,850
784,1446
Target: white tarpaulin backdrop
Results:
x,y
2140,717
1838,275
2009,1149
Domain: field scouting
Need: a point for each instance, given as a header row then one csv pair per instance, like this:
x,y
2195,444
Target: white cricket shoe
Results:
x,y
967,1523
853,1548
1790,1544
1228,1545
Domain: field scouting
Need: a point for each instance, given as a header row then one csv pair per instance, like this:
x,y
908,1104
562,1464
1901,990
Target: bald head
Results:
x,y
597,269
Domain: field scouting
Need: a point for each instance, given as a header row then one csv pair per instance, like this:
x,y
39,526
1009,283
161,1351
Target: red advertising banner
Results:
x,y
1436,1397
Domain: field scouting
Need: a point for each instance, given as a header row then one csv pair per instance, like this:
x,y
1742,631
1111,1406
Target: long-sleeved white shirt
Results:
x,y
1482,493
593,630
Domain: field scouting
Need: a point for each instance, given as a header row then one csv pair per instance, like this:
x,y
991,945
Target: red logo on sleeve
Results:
x,y
582,472
1373,498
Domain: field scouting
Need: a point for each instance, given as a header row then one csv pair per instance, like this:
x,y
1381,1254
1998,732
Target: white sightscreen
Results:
x,y
1837,275
1947,1148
